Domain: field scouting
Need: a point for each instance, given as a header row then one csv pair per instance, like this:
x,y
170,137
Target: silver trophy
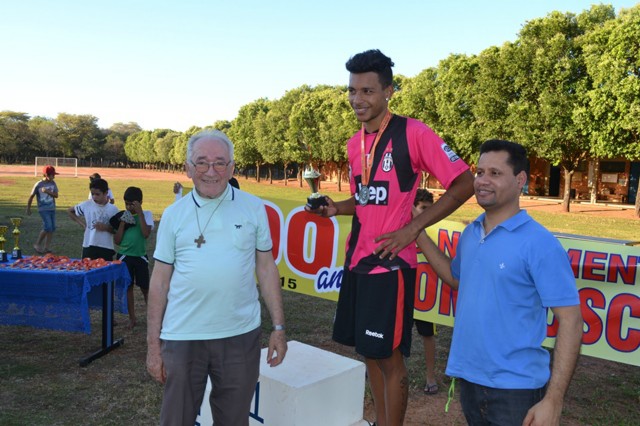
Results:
x,y
312,177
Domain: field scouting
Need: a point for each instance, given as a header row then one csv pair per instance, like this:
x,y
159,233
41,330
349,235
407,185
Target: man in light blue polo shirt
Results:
x,y
204,311
509,270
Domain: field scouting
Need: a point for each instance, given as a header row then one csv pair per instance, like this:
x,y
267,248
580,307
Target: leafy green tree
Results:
x,y
179,151
274,131
493,93
550,84
79,135
16,138
123,130
243,135
113,149
266,143
338,126
611,115
135,145
222,125
46,136
143,147
399,82
164,145
116,136
149,150
417,99
304,126
178,154
270,136
455,104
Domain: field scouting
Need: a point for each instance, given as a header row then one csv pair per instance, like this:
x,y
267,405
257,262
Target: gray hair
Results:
x,y
209,134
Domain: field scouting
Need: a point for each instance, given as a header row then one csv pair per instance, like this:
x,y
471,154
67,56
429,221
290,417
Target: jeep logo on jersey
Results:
x,y
453,157
387,162
378,193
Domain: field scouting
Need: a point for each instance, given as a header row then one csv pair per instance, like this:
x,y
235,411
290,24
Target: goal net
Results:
x,y
64,166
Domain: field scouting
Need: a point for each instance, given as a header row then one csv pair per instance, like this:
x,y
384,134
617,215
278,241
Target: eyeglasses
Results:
x,y
203,166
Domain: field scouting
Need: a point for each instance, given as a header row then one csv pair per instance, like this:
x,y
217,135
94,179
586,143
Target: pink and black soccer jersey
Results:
x,y
407,148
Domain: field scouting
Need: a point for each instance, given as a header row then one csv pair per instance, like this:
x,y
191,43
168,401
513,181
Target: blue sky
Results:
x,y
173,64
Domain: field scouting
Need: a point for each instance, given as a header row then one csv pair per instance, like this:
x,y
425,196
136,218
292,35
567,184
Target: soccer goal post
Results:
x,y
63,165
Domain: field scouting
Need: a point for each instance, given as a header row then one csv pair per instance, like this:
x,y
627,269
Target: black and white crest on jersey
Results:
x,y
387,162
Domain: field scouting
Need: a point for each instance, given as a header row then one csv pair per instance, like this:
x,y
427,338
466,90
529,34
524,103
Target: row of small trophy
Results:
x,y
16,253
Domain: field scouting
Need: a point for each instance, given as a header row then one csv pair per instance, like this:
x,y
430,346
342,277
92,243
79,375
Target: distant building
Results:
x,y
610,181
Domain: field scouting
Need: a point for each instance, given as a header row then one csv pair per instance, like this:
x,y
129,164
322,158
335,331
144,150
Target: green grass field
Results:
x,y
42,384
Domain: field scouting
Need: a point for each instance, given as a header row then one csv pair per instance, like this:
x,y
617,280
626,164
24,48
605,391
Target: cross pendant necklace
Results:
x,y
200,240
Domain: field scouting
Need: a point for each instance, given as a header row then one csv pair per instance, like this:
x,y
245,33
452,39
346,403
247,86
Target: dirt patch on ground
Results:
x,y
106,173
530,203
598,209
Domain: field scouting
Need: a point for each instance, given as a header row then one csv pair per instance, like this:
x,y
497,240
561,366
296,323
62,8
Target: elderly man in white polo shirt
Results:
x,y
204,312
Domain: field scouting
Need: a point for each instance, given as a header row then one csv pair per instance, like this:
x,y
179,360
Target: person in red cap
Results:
x,y
45,191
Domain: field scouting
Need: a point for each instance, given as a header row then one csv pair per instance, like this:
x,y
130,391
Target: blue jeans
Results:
x,y
48,220
483,405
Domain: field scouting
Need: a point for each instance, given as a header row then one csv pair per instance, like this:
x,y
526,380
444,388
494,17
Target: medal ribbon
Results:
x,y
367,161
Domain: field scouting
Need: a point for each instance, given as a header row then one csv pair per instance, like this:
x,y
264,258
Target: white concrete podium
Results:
x,y
311,387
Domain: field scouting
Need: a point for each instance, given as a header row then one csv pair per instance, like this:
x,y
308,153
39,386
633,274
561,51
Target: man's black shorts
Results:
x,y
375,312
138,267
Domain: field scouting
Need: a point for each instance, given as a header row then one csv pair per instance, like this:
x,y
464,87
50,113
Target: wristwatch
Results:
x,y
278,327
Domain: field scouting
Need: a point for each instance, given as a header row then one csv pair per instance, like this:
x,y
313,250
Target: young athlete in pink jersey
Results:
x,y
387,157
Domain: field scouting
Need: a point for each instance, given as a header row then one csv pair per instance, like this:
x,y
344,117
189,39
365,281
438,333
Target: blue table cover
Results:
x,y
58,300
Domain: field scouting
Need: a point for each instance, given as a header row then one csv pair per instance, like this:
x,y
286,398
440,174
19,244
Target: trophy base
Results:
x,y
3,256
16,254
316,202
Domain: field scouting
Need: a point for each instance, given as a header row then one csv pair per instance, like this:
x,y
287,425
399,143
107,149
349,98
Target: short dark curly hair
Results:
x,y
133,193
99,184
372,61
517,153
423,195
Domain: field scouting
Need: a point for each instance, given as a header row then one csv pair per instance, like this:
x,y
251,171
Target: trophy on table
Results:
x,y
312,177
3,254
17,253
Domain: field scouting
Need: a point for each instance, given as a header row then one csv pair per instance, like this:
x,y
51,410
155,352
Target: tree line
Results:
x,y
568,88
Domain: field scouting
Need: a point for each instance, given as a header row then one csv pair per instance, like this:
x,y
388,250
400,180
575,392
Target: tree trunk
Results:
x,y
638,202
340,169
286,176
594,169
270,176
425,180
258,172
566,199
300,169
